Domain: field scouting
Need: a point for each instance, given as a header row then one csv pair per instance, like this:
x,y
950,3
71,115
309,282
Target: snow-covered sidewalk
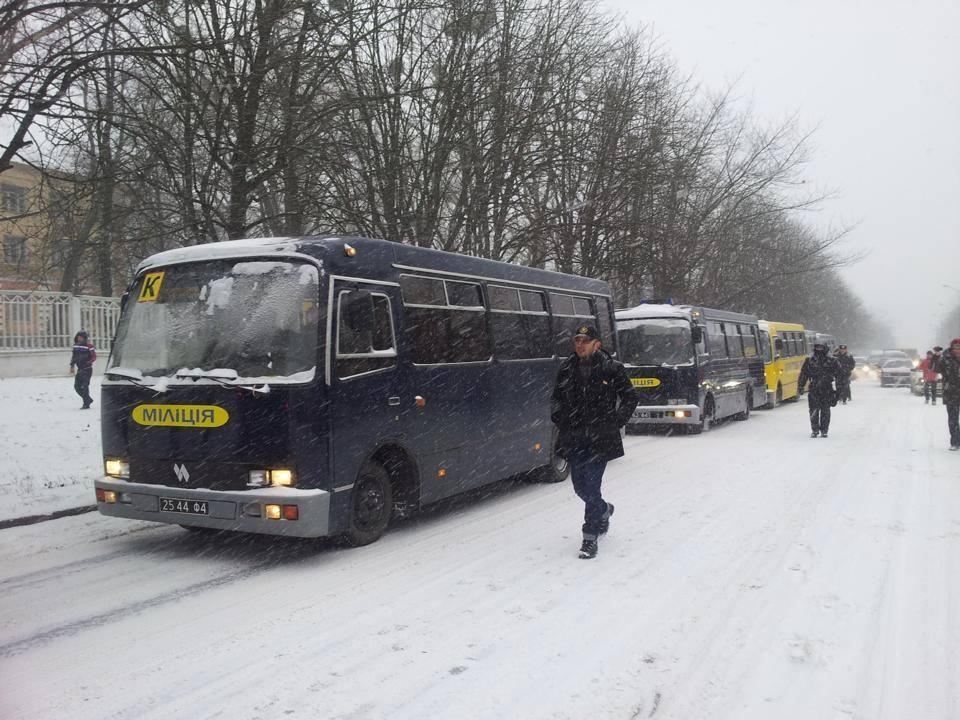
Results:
x,y
50,447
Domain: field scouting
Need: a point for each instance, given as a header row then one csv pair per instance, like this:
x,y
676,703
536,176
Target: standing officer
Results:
x,y
949,366
83,357
847,364
821,370
592,399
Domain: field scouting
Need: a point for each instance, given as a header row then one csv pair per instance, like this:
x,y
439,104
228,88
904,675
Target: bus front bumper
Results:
x,y
241,511
670,414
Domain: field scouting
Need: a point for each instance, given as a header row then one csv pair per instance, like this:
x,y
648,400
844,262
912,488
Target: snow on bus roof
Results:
x,y
652,310
226,248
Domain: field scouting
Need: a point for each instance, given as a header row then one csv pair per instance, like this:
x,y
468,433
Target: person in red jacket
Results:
x,y
83,358
928,366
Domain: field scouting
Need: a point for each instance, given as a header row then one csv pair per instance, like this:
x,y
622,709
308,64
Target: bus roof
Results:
x,y
375,255
776,325
686,312
653,310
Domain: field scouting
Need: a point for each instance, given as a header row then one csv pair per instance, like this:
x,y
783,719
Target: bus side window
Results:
x,y
568,313
778,347
750,341
715,341
603,323
364,345
445,320
734,346
520,325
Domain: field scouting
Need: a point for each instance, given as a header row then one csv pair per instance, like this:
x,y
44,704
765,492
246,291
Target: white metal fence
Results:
x,y
34,320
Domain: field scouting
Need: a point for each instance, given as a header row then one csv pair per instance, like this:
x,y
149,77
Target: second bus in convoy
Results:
x,y
784,350
320,386
692,365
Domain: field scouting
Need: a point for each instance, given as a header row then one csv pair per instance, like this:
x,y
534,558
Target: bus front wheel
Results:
x,y
372,505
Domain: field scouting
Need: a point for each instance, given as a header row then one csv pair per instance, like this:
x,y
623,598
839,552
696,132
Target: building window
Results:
x,y
14,249
14,199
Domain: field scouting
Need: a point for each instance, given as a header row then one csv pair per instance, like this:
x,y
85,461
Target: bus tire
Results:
x,y
556,471
745,415
372,505
706,419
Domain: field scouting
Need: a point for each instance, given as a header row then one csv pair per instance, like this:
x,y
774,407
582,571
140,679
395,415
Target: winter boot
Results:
x,y
588,549
823,434
605,523
814,434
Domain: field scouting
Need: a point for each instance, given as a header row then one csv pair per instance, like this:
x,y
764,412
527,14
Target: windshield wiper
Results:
x,y
224,377
134,376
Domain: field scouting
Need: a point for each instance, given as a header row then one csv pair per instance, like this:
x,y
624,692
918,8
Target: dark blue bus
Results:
x,y
319,386
691,365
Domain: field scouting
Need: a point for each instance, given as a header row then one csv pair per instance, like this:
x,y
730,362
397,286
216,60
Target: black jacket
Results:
x,y
847,364
821,370
589,414
949,368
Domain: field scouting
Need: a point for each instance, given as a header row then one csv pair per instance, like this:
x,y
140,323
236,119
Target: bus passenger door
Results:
x,y
364,390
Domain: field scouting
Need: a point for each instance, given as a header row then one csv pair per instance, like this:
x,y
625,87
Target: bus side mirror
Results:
x,y
359,311
123,300
696,334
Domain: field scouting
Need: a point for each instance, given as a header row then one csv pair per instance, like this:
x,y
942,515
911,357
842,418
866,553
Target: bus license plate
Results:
x,y
189,507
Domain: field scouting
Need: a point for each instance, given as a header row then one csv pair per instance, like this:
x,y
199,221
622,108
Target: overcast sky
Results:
x,y
879,81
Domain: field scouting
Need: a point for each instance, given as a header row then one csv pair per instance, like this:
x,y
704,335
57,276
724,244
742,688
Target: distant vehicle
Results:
x,y
784,347
862,368
691,365
878,356
320,386
895,372
916,383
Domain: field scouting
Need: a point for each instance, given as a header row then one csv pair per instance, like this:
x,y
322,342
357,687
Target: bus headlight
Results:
x,y
116,468
282,477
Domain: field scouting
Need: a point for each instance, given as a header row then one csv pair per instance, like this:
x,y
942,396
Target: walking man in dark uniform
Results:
x,y
592,399
83,358
821,371
847,364
949,367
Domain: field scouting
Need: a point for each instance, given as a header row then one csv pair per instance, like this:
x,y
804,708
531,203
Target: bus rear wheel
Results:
x,y
557,470
372,505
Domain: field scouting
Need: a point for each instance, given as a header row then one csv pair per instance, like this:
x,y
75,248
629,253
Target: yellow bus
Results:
x,y
784,347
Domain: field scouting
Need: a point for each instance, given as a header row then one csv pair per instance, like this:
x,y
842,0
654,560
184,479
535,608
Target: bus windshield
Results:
x,y
246,319
655,341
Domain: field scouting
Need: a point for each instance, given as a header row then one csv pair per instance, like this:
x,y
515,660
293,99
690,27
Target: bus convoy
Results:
x,y
323,386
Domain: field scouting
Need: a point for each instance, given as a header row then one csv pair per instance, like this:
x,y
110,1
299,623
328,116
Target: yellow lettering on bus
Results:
x,y
193,416
645,382
150,290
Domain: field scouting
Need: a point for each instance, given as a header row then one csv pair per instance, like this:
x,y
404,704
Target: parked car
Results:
x,y
895,371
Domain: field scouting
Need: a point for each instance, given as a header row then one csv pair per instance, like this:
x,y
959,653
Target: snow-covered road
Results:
x,y
751,572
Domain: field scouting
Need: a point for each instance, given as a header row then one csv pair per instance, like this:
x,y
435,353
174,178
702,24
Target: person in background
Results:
x,y
847,364
820,370
81,366
592,399
928,366
949,367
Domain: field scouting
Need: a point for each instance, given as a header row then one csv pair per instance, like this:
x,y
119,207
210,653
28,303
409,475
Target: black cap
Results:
x,y
937,348
588,331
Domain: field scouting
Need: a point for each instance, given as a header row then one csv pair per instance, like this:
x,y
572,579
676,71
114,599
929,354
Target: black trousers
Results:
x,y
587,478
81,383
953,422
819,412
930,390
843,387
